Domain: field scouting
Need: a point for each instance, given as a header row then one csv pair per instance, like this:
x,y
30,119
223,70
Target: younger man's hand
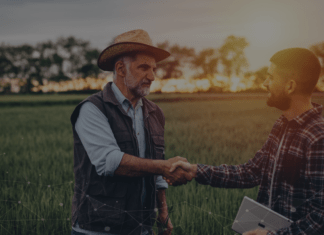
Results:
x,y
177,177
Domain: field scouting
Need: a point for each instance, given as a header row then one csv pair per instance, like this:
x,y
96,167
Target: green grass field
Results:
x,y
36,171
73,99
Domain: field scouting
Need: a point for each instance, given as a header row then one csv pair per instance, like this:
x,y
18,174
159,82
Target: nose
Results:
x,y
151,75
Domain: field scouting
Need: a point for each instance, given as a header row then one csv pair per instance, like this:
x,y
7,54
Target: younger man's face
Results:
x,y
275,84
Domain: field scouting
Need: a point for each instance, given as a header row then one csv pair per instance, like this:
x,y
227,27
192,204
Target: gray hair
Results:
x,y
126,57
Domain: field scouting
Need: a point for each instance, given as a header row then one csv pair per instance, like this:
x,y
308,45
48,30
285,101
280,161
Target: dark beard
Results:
x,y
281,102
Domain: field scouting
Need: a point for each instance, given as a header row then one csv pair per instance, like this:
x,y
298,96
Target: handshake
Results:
x,y
178,171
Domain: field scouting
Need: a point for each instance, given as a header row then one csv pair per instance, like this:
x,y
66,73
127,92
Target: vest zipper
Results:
x,y
137,151
143,182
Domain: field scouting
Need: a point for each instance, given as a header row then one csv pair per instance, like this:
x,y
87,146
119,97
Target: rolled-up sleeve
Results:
x,y
161,183
98,139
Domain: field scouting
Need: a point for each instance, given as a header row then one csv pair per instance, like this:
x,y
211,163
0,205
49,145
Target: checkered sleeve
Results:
x,y
246,175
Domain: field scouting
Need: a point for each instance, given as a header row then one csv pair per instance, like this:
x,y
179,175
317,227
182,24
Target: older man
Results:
x,y
119,146
290,166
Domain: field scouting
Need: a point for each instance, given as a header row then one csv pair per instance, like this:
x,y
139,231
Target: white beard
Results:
x,y
137,89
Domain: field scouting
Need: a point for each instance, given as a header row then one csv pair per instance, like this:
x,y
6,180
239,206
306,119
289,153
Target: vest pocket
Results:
x,y
106,210
158,141
125,142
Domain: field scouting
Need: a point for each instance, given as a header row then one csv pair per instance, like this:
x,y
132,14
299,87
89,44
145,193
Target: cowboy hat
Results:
x,y
132,41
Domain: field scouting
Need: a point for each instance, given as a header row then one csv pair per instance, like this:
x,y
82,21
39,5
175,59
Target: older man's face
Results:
x,y
140,75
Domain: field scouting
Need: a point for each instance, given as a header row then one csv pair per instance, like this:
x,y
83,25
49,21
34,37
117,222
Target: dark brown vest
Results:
x,y
104,203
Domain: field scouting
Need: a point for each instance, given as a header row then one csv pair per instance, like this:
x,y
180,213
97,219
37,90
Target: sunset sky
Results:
x,y
268,25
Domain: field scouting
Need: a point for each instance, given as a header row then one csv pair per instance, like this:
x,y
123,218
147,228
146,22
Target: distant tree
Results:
x,y
260,76
205,63
43,60
74,57
90,68
60,60
232,55
318,50
11,60
173,65
67,57
6,66
257,78
16,62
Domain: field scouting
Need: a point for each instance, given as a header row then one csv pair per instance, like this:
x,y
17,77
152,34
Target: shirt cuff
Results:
x,y
203,174
161,183
112,162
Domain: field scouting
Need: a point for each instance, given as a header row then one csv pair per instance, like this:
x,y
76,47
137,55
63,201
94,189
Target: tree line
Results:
x,y
70,57
55,61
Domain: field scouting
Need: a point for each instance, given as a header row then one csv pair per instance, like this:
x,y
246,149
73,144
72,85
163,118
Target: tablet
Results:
x,y
252,215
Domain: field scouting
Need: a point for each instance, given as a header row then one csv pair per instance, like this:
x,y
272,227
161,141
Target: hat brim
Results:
x,y
107,56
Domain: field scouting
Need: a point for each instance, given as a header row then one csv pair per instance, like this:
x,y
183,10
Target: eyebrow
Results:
x,y
145,66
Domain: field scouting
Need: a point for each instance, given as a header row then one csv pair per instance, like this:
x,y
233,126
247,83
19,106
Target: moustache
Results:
x,y
146,82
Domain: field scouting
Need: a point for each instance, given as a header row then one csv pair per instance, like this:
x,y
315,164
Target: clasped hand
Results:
x,y
178,171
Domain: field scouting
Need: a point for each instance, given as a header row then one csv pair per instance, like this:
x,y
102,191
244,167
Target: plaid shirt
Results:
x,y
298,183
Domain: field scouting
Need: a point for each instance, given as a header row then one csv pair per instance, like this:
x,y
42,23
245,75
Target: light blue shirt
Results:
x,y
100,144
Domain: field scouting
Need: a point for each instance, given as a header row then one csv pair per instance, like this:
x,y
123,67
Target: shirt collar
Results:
x,y
302,118
121,98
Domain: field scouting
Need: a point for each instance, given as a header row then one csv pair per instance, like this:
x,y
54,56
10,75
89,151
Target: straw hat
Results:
x,y
132,41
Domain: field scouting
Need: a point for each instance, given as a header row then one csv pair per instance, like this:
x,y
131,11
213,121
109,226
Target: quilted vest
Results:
x,y
113,204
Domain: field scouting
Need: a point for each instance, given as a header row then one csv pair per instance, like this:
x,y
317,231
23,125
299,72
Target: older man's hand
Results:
x,y
177,177
257,232
190,168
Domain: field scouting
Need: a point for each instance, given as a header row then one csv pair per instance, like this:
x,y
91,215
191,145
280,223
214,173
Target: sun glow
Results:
x,y
183,85
72,85
171,85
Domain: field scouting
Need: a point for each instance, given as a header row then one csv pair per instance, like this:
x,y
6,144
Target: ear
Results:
x,y
290,87
120,68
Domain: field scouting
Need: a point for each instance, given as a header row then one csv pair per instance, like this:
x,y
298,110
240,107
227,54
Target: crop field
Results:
x,y
36,170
